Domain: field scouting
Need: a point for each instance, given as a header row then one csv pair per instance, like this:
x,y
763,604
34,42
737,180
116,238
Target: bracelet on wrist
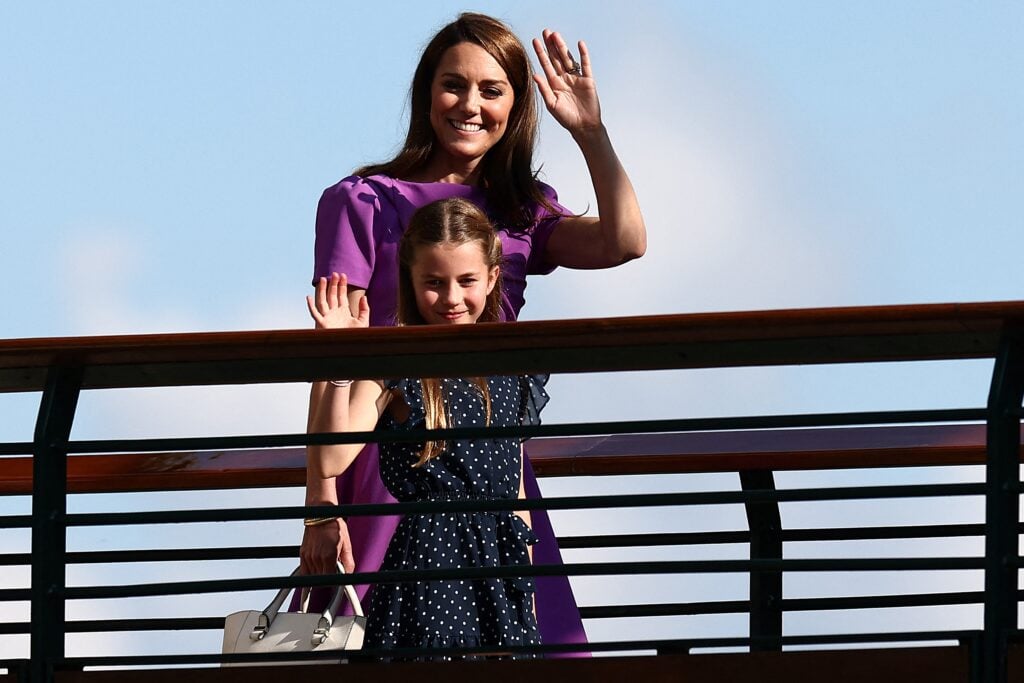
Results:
x,y
317,521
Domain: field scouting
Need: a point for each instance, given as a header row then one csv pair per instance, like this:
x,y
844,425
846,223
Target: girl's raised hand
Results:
x,y
567,86
330,308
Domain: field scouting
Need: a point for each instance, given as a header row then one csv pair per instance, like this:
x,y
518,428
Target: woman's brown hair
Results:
x,y
506,172
453,221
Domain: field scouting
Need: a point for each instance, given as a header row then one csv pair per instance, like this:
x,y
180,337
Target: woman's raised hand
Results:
x,y
567,86
330,308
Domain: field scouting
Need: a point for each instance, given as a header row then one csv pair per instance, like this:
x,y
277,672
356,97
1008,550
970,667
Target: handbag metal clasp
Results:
x,y
323,628
261,627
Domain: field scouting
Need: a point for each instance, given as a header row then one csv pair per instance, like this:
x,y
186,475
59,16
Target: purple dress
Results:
x,y
359,222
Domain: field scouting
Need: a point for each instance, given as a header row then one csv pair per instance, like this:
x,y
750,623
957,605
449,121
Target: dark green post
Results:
x,y
765,524
49,510
1002,479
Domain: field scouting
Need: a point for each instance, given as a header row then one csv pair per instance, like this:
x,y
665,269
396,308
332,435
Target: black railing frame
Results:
x,y
49,519
1002,504
1001,555
765,523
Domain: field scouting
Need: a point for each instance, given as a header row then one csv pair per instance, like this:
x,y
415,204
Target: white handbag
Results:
x,y
275,631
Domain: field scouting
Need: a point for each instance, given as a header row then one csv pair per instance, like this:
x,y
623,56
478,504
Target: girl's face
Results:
x,y
470,102
451,282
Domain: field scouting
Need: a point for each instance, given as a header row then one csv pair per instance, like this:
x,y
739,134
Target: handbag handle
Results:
x,y
266,617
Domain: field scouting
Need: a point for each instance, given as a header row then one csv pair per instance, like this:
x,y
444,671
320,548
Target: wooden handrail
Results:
x,y
799,336
777,450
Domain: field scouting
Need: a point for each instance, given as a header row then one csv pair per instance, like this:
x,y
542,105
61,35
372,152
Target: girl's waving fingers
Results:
x,y
317,303
332,291
330,307
363,316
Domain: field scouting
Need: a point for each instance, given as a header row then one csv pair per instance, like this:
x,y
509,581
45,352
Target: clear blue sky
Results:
x,y
162,163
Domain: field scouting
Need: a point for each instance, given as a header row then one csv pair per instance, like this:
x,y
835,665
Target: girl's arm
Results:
x,y
353,408
618,234
329,410
340,406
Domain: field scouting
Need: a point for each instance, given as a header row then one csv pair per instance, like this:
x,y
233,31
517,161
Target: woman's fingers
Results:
x,y
585,60
561,58
544,57
566,61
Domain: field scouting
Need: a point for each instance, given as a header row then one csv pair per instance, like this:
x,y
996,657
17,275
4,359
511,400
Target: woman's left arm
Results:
x,y
570,93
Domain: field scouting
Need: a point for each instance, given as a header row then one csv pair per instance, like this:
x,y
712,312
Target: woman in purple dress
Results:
x,y
473,123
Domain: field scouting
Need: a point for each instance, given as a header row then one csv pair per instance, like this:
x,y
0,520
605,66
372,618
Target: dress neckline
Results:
x,y
431,183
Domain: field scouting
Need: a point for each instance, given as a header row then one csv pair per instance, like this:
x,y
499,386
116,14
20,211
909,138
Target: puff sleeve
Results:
x,y
346,218
545,223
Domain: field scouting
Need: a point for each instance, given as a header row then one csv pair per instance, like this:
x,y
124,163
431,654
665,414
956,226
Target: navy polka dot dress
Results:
x,y
479,612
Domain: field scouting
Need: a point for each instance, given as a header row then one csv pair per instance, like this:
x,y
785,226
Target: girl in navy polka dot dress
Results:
x,y
449,273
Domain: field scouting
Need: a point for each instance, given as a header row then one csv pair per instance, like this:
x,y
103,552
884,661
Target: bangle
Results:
x,y
317,521
340,383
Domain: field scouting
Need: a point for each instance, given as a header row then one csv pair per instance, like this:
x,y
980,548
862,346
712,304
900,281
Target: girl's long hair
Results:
x,y
506,172
453,221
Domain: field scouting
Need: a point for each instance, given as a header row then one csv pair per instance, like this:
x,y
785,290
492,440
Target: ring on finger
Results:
x,y
576,69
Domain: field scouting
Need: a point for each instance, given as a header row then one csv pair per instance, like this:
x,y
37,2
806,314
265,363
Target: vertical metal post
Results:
x,y
49,510
1002,480
765,544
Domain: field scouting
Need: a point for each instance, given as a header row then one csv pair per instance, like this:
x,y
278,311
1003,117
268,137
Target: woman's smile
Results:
x,y
466,126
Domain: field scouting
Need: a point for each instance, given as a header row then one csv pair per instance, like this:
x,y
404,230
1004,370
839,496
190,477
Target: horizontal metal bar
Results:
x,y
885,533
577,429
882,601
569,569
663,646
562,503
586,612
167,624
788,536
665,609
16,522
183,555
15,594
15,559
16,448
787,605
651,540
565,543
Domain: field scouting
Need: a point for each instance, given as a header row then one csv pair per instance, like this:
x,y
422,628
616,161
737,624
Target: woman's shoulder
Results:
x,y
377,193
355,185
547,190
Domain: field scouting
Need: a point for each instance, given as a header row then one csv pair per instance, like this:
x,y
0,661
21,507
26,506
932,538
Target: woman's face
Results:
x,y
470,102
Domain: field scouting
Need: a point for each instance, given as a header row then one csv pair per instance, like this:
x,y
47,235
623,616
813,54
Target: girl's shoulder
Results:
x,y
524,395
404,385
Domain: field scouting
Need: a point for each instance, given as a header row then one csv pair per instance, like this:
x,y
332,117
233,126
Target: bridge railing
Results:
x,y
755,447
